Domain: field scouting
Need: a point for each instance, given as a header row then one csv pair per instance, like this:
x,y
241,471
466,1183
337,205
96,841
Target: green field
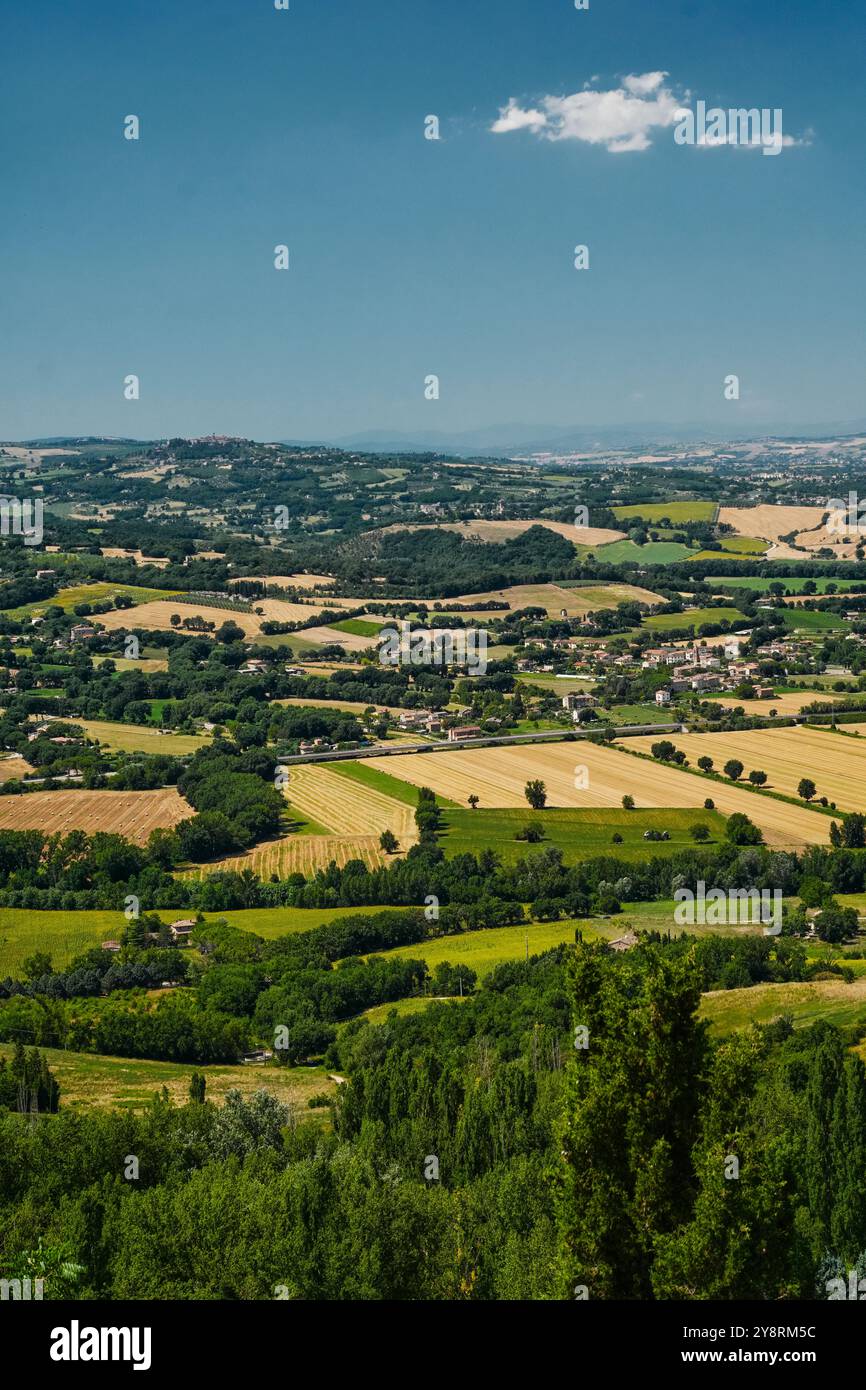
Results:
x,y
653,553
695,618
560,685
580,834
832,1000
69,598
131,1083
359,627
635,714
761,583
379,1013
65,935
141,738
674,511
743,545
810,620
484,950
383,782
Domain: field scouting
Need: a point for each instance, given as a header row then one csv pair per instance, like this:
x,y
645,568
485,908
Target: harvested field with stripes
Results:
x,y
836,765
131,814
498,777
298,854
347,807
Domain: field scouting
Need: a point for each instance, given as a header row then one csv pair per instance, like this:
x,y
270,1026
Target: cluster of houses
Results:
x,y
703,668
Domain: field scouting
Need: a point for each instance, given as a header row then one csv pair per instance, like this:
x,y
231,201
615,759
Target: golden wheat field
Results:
x,y
131,814
836,765
554,598
157,616
769,522
13,767
298,854
789,702
498,531
346,807
498,777
350,706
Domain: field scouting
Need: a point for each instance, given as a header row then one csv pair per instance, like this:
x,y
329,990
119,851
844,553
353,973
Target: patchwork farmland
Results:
x,y
498,777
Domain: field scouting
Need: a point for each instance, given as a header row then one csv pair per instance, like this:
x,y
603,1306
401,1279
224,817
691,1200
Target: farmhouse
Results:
x,y
182,929
574,700
464,731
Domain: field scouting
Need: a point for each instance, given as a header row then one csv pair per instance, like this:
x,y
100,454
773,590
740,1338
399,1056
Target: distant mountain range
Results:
x,y
504,440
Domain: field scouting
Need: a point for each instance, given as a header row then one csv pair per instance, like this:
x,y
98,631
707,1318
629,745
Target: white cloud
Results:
x,y
626,117
622,118
642,86
511,117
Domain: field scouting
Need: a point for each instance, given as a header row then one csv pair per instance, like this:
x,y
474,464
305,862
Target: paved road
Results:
x,y
333,755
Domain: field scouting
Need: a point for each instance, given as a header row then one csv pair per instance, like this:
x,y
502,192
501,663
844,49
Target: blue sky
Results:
x,y
411,257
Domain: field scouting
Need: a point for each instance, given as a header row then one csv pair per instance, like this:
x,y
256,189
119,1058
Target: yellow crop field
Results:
x,y
298,854
498,777
554,598
156,616
350,706
769,522
497,531
141,738
131,814
789,702
13,767
836,765
347,807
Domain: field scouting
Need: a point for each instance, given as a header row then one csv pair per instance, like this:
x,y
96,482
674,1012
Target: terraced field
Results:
x,y
837,765
131,814
498,776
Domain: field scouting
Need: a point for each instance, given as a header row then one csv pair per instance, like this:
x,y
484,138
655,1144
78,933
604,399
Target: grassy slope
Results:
x,y
674,511
66,934
694,618
130,1083
383,782
581,834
